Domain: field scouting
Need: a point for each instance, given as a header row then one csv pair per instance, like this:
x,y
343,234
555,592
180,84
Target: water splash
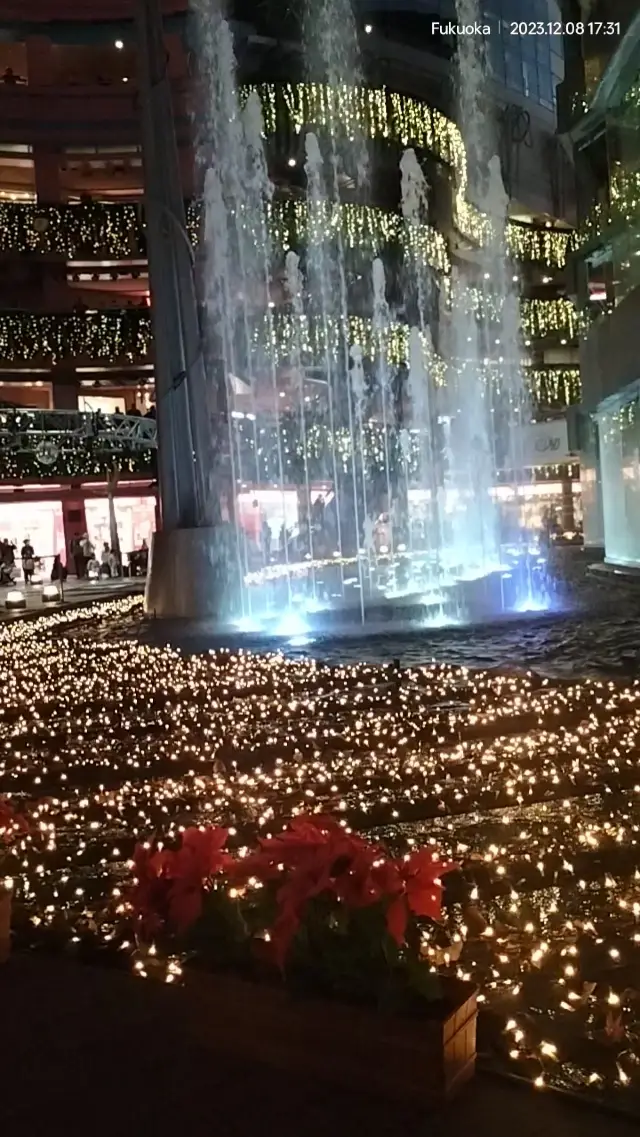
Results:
x,y
382,479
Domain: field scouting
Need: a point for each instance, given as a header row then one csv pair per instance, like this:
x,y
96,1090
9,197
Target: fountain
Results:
x,y
358,488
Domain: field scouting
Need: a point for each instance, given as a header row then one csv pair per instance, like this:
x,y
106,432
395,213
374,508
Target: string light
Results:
x,y
69,457
91,228
125,335
313,454
523,242
110,336
541,318
530,785
117,230
618,214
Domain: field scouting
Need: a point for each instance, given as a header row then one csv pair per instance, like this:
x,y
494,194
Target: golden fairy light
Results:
x,y
532,786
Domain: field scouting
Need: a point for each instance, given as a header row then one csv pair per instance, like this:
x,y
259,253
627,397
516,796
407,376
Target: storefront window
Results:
x,y
41,523
135,518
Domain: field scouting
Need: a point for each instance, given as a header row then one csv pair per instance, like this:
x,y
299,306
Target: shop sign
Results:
x,y
542,444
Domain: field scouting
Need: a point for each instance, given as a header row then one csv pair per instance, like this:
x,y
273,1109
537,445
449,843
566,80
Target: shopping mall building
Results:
x,y
76,342
602,120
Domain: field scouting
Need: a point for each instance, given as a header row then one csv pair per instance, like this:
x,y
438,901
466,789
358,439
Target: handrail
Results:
x,y
23,429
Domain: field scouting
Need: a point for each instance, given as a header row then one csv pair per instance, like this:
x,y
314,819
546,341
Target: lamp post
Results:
x,y
187,568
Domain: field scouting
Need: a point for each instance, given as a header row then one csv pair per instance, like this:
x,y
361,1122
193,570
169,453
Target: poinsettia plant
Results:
x,y
13,825
324,906
170,882
347,916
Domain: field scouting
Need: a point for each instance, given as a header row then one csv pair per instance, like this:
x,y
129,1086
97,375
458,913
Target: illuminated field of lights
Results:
x,y
532,787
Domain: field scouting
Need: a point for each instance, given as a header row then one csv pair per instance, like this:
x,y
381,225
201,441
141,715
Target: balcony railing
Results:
x,y
125,335
42,445
117,231
37,444
381,114
110,336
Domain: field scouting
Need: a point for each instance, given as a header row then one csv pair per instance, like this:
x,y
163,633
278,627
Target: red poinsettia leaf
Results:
x,y
387,877
12,823
425,901
282,934
200,855
422,862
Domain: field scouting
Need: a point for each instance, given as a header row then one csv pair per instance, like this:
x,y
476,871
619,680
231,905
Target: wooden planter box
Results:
x,y
426,1059
5,923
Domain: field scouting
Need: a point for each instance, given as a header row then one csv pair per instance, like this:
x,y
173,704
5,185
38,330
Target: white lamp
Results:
x,y
50,594
15,599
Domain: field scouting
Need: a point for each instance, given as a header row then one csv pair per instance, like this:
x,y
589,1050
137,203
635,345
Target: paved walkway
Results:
x,y
88,1051
76,592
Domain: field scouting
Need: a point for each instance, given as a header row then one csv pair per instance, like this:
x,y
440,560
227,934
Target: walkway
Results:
x,y
76,593
90,1051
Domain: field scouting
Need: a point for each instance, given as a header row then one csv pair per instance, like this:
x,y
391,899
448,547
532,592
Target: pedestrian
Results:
x,y
105,568
77,557
28,560
58,570
88,551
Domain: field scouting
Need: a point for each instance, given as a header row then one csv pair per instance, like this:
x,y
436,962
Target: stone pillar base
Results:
x,y
189,575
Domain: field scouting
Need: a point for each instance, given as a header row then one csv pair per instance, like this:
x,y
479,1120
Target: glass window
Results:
x,y
545,88
528,47
498,67
557,65
514,70
532,64
530,76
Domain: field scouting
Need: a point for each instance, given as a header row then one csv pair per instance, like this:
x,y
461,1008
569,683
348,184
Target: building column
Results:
x,y
64,389
74,522
46,168
40,61
41,73
567,511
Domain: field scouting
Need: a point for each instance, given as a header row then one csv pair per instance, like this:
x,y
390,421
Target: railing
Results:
x,y
110,336
95,229
119,335
20,429
73,443
288,109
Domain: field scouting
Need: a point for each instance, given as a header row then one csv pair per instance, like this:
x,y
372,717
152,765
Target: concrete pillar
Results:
x,y
46,165
65,393
188,573
567,518
177,59
40,61
74,521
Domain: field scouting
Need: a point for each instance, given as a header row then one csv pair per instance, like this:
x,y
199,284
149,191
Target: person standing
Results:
x,y
28,560
76,557
105,567
88,552
58,570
